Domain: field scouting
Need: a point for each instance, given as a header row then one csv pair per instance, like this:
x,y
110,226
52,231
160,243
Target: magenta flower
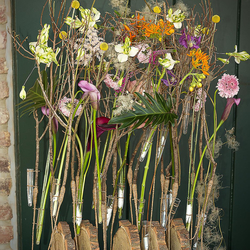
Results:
x,y
144,53
91,91
228,86
45,111
230,102
65,106
188,41
101,126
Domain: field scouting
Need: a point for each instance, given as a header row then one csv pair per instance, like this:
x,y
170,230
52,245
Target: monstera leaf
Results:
x,y
35,99
151,111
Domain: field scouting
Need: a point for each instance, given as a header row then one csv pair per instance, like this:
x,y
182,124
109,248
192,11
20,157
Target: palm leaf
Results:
x,y
35,99
155,111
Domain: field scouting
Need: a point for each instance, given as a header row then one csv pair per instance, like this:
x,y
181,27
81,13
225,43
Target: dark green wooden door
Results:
x,y
233,166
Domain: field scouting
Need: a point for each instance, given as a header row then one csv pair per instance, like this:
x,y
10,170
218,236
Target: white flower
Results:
x,y
176,18
22,94
168,61
239,56
43,53
125,50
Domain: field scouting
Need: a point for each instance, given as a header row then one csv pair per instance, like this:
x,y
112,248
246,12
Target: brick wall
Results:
x,y
8,225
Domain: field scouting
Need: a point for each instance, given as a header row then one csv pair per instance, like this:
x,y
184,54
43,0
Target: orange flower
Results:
x,y
200,60
151,29
166,28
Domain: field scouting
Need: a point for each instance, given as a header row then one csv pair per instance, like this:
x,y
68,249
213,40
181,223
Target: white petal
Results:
x,y
122,58
168,56
237,60
119,48
178,25
133,51
235,47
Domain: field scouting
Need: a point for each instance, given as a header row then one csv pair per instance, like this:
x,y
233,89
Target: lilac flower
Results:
x,y
188,41
111,83
65,106
228,86
54,125
101,126
199,102
92,92
230,102
172,80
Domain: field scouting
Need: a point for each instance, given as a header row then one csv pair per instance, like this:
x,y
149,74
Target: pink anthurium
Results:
x,y
45,111
230,102
91,91
101,126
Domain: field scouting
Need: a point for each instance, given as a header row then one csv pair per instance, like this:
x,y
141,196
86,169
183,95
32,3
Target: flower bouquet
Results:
x,y
152,71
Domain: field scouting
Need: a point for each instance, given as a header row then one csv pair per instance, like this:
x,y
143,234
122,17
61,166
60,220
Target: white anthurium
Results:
x,y
168,61
125,50
239,56
176,18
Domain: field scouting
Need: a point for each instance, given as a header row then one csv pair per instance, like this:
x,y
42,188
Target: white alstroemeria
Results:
x,y
80,53
22,94
125,50
176,18
239,56
43,53
74,23
168,61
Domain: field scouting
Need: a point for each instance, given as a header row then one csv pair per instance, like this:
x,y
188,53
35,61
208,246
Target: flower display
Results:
x,y
228,86
150,85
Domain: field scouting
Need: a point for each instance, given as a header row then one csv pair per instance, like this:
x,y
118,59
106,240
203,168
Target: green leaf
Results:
x,y
153,111
35,99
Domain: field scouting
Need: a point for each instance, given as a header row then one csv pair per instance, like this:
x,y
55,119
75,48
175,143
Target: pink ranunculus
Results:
x,y
144,53
110,83
228,86
93,93
65,106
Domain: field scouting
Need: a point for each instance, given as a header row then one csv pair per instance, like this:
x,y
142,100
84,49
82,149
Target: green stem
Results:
x,y
184,78
98,169
143,188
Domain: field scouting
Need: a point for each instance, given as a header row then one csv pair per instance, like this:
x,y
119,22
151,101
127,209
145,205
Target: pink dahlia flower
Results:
x,y
228,86
65,106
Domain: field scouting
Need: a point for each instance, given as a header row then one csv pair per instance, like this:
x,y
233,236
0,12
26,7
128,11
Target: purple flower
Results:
x,y
230,102
54,125
154,56
101,126
188,41
92,92
171,80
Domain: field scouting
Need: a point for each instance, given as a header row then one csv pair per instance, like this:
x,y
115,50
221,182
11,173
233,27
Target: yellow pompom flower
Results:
x,y
157,10
216,19
104,46
63,35
75,4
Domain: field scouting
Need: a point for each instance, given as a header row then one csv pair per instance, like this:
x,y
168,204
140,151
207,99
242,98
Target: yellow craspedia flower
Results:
x,y
157,9
216,19
63,35
75,4
104,46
